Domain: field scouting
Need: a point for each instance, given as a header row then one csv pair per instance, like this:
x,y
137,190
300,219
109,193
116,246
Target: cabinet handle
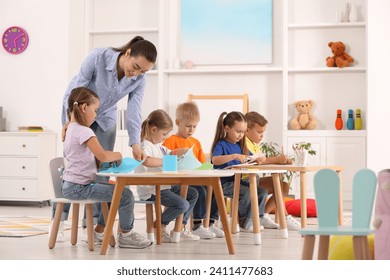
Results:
x,y
23,188
23,167
24,145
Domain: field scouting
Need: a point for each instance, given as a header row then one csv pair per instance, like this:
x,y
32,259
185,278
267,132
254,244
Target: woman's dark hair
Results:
x,y
140,47
77,98
228,120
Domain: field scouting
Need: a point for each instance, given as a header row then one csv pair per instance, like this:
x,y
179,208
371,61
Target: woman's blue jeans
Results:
x,y
103,192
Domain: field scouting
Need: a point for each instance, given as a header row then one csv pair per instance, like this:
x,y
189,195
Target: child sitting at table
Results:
x,y
187,119
256,126
154,131
228,149
79,180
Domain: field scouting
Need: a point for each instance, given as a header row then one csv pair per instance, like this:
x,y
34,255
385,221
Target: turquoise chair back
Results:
x,y
363,195
326,189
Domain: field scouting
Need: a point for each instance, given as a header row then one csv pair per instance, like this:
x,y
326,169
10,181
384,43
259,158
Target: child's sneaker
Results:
x,y
133,240
245,224
165,236
217,232
292,223
187,235
60,234
98,237
267,222
203,233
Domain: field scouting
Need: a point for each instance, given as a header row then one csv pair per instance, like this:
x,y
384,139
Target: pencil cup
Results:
x,y
169,163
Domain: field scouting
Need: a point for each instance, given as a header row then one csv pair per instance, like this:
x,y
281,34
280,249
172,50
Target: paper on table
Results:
x,y
241,165
127,165
188,161
205,166
253,158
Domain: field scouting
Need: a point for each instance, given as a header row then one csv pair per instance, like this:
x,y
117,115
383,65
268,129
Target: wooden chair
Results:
x,y
326,188
56,170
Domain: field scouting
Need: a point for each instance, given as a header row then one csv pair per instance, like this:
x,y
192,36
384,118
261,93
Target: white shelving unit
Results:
x,y
308,27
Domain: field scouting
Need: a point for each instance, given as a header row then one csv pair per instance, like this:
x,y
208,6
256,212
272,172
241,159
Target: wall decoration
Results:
x,y
215,32
15,40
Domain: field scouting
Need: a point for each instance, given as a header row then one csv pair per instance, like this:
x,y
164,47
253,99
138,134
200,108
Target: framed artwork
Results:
x,y
217,32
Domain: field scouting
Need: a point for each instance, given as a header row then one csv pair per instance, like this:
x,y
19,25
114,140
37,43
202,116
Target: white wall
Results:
x,y
33,83
378,120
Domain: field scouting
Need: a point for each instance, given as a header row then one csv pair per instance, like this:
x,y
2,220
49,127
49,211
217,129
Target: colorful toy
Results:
x,y
340,58
304,118
350,120
358,120
339,120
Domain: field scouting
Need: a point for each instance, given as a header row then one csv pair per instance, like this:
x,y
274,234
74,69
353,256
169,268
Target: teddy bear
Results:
x,y
304,119
340,58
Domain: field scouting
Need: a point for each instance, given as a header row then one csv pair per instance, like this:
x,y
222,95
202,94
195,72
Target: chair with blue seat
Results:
x,y
327,191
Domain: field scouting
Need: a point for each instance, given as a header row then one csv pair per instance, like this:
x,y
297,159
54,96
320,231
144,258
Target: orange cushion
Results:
x,y
293,207
285,200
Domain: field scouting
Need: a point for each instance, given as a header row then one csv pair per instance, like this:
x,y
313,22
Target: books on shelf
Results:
x,y
31,128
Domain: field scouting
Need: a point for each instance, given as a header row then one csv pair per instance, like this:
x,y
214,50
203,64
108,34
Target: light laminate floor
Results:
x,y
35,247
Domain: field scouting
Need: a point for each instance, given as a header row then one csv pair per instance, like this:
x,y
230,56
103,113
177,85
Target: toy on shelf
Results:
x,y
350,121
340,58
358,120
304,119
339,120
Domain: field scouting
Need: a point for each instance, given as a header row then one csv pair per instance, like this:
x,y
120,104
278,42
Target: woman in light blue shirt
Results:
x,y
114,73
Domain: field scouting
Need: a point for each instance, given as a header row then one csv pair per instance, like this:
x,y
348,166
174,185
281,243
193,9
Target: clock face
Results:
x,y
15,40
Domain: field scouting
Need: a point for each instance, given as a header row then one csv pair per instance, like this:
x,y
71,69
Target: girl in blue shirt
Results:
x,y
229,149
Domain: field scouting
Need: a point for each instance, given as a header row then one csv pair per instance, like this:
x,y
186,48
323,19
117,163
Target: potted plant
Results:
x,y
301,150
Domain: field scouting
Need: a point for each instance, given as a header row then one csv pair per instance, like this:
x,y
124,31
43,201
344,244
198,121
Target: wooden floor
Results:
x,y
35,247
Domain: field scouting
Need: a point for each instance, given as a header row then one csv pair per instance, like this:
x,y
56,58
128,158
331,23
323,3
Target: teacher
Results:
x,y
113,73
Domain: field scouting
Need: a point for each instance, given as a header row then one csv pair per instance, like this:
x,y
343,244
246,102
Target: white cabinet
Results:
x,y
333,149
24,161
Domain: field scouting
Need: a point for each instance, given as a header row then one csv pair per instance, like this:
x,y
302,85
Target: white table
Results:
x,y
183,178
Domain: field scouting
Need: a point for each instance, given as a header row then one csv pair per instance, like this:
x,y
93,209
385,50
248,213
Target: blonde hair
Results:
x,y
158,118
253,118
187,111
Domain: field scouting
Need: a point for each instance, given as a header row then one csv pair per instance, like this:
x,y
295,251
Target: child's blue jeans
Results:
x,y
103,192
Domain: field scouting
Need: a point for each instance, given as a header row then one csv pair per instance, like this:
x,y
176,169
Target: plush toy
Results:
x,y
340,58
304,118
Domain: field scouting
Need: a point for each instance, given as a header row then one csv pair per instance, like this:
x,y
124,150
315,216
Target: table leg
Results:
x,y
234,202
255,209
280,209
217,188
179,220
158,214
209,196
116,197
302,180
341,218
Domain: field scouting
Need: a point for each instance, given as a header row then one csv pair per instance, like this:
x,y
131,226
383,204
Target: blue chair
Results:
x,y
327,191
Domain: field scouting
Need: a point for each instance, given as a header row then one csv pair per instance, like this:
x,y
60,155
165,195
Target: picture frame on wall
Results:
x,y
226,32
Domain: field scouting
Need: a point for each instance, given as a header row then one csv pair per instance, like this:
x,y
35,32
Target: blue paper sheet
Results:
x,y
188,161
128,164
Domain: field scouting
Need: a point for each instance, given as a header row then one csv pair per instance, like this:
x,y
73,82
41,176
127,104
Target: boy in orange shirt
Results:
x,y
256,126
187,119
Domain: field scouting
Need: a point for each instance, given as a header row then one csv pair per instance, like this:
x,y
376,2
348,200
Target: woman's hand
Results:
x,y
138,154
64,128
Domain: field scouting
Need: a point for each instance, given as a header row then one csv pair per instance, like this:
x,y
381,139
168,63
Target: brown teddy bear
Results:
x,y
304,118
339,58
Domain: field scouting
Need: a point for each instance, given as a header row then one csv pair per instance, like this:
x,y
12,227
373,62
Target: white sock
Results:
x,y
126,234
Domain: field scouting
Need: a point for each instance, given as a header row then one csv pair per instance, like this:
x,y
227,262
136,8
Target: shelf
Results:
x,y
127,31
223,70
329,133
327,70
326,25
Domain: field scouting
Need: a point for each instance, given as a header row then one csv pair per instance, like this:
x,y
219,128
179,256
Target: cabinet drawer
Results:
x,y
15,146
20,167
18,188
